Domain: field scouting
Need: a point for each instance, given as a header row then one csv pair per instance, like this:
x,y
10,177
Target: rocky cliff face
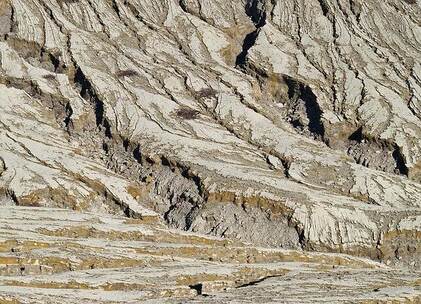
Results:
x,y
284,124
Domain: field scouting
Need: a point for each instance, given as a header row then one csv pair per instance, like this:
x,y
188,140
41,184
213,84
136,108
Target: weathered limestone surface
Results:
x,y
286,124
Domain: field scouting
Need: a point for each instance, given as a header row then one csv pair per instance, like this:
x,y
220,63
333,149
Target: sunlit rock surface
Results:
x,y
60,256
281,124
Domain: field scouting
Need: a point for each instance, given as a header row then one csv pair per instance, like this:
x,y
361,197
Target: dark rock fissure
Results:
x,y
88,93
299,91
183,5
68,119
325,7
357,135
376,153
400,161
12,196
255,9
248,43
252,283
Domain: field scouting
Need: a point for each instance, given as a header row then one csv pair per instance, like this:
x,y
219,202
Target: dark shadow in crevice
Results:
x,y
248,43
253,283
359,138
400,161
357,135
88,93
255,9
298,90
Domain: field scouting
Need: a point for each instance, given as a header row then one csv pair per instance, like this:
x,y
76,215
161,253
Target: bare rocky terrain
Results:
x,y
173,151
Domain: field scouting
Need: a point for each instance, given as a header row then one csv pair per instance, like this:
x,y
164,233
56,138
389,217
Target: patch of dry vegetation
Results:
x,y
127,73
187,113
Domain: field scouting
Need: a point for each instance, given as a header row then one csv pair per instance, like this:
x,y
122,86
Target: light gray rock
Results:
x,y
279,123
68,257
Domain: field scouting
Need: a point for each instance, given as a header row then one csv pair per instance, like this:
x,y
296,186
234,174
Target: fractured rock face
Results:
x,y
2,166
278,123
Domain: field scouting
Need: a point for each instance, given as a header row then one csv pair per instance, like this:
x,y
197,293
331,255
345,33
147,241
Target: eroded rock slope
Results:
x,y
59,256
291,124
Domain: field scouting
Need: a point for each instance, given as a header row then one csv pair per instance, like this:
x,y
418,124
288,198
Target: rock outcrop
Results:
x,y
60,256
283,124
